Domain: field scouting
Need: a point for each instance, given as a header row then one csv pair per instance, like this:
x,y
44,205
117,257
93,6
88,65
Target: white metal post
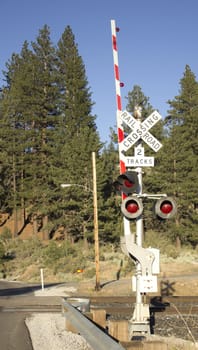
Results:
x,y
42,279
139,235
140,320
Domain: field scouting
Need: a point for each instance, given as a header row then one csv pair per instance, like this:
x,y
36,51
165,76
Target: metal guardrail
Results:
x,y
94,336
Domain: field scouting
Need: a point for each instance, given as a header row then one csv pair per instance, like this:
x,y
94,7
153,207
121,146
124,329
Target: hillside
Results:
x,y
63,262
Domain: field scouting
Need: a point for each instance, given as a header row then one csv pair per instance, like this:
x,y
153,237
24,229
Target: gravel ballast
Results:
x,y
47,331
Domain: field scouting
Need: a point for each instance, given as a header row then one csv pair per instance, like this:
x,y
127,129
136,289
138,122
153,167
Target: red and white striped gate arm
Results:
x,y
127,230
118,93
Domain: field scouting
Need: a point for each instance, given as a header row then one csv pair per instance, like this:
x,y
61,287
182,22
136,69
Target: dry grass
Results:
x,y
30,256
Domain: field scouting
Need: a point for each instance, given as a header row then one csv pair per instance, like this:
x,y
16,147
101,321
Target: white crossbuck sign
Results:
x,y
140,130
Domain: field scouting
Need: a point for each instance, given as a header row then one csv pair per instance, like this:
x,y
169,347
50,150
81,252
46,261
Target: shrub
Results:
x,y
90,273
2,251
68,249
91,255
162,242
52,253
6,234
128,267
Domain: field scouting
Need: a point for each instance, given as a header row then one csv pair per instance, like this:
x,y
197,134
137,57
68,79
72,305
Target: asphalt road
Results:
x,y
14,334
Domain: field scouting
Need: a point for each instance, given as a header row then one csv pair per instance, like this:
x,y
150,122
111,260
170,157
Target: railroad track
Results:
x,y
168,305
31,308
123,305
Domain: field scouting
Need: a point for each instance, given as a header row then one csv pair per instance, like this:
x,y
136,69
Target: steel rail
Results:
x,y
93,335
31,309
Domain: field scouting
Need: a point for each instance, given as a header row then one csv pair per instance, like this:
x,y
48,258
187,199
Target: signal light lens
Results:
x,y
132,207
128,183
165,208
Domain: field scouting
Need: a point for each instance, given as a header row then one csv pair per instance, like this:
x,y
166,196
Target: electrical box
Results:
x,y
147,284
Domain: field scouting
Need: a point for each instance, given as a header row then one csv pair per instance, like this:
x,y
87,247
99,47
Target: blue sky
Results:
x,y
157,39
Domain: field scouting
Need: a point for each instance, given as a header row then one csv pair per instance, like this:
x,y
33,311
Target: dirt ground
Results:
x,y
177,279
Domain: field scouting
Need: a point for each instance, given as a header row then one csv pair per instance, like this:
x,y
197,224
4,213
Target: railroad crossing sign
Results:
x,y
140,130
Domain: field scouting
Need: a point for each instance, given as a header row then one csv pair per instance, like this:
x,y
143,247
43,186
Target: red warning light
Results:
x,y
128,183
166,207
121,84
132,207
117,29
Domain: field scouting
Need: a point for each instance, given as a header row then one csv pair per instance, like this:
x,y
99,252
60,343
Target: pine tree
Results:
x,y
110,212
182,160
46,120
51,133
137,98
79,138
30,111
12,132
5,170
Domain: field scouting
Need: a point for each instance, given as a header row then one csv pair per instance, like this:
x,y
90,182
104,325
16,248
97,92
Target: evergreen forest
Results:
x,y
48,133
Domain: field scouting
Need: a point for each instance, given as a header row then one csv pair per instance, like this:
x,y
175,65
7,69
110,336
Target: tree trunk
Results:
x,y
15,229
45,229
35,224
178,243
85,242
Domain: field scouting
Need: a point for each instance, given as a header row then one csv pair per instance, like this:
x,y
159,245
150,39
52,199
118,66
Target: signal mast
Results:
x,y
129,183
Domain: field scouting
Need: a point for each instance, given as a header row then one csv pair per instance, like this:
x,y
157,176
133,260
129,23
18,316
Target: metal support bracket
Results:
x,y
137,253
